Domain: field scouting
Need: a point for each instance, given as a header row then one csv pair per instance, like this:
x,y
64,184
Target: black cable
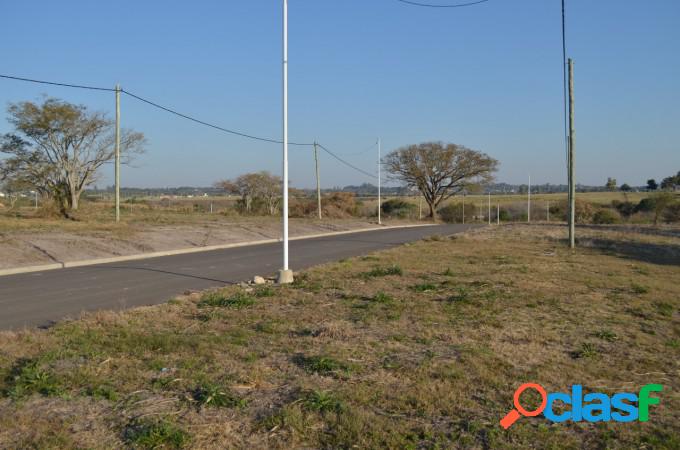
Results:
x,y
364,151
427,5
237,133
345,162
93,88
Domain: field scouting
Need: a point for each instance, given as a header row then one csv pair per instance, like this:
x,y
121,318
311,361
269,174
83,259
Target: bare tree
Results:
x,y
58,148
439,170
252,187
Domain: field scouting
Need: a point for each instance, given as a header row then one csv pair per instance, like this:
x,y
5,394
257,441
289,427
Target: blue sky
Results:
x,y
488,77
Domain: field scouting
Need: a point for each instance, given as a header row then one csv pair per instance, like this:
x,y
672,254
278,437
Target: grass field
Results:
x,y
421,346
99,216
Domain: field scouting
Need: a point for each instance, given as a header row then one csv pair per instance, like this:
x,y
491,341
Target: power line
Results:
x,y
427,5
237,133
346,163
364,151
77,86
193,119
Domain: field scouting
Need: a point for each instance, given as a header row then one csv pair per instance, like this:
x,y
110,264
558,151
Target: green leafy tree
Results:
x,y
611,184
625,187
652,185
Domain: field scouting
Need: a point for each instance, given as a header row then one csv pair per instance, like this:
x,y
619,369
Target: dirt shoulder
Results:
x,y
36,246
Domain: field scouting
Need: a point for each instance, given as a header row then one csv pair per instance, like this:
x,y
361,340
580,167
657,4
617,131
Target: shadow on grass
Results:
x,y
667,254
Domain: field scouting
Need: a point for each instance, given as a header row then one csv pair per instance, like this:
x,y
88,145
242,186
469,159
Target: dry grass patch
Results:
x,y
421,346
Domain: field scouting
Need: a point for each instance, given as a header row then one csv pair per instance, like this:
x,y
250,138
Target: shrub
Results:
x,y
606,217
646,205
672,212
398,208
626,209
584,211
453,212
340,204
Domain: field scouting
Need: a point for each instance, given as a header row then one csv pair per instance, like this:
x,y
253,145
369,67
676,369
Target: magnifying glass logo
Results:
x,y
519,411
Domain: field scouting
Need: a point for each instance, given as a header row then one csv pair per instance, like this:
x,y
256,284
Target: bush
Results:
x,y
337,205
398,208
672,213
626,209
453,212
646,205
606,217
584,211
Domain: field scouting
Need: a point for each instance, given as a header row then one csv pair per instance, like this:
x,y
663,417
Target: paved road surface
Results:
x,y
41,298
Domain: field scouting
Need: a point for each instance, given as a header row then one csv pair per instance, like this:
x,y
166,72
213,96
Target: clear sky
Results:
x,y
488,77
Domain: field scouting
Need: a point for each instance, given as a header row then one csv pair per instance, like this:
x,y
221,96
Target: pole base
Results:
x,y
285,277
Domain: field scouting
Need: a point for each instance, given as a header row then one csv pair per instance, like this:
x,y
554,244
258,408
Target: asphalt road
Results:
x,y
42,298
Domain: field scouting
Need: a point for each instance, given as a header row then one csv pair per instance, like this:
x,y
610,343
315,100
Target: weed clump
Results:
x,y
156,434
322,365
384,271
239,300
322,402
214,395
27,377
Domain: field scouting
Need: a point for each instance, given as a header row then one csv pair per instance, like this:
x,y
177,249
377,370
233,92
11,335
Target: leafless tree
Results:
x,y
58,148
439,170
252,187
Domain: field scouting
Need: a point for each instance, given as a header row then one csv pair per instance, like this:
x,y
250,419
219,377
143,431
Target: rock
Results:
x,y
259,280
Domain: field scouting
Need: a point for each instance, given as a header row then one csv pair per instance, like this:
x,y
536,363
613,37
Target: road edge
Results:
x,y
184,251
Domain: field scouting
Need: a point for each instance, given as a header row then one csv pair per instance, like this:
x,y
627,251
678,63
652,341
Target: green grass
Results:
x,y
147,434
216,395
238,300
384,271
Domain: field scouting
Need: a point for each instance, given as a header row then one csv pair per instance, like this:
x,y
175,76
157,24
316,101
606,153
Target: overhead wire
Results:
x,y
429,5
346,163
190,118
217,127
77,86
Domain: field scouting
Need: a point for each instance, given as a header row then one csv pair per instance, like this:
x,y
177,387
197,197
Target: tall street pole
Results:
x,y
285,274
117,153
379,187
572,182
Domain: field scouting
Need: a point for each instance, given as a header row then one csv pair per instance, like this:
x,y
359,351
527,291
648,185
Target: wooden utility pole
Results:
x,y
117,153
572,181
529,201
318,180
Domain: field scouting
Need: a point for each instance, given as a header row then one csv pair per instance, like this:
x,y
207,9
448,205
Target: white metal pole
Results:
x,y
489,207
117,150
36,199
547,210
379,187
498,214
529,201
285,275
463,208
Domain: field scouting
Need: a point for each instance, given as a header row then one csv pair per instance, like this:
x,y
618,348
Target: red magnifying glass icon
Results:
x,y
519,411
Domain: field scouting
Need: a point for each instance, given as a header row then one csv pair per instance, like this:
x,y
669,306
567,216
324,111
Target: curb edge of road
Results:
x,y
184,251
